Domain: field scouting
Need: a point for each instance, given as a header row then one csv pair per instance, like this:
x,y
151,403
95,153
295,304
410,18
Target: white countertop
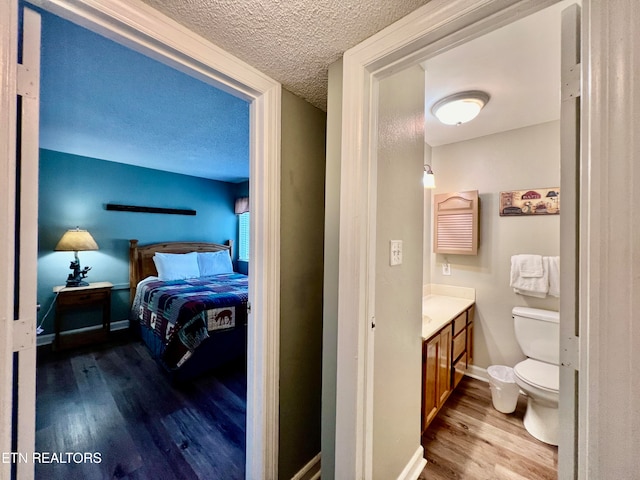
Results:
x,y
441,304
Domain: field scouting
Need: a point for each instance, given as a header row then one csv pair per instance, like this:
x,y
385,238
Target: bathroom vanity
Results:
x,y
447,343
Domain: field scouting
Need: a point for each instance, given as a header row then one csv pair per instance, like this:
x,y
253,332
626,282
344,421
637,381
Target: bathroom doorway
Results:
x,y
513,144
368,69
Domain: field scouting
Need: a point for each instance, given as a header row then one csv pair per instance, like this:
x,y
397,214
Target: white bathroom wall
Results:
x,y
398,304
515,160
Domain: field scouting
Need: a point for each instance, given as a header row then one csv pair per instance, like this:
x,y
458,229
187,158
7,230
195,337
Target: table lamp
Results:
x,y
76,240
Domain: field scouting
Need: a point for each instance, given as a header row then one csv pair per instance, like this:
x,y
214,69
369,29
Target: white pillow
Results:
x,y
176,266
212,263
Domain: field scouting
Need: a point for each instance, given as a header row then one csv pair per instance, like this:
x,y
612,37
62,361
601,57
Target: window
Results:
x,y
243,237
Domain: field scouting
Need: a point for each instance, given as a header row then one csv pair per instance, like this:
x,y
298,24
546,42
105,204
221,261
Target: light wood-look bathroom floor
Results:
x,y
471,440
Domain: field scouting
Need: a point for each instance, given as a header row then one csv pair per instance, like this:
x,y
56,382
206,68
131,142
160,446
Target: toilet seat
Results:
x,y
544,376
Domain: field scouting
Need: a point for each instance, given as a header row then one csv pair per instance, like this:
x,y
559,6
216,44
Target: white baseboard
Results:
x,y
311,471
48,339
415,466
478,373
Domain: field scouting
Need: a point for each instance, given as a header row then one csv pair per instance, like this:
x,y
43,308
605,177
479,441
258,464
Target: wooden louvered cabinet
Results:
x,y
456,222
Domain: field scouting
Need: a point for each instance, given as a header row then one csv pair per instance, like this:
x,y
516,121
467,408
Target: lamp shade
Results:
x,y
76,240
242,205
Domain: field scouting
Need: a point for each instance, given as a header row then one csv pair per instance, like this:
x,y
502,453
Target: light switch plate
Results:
x,y
395,252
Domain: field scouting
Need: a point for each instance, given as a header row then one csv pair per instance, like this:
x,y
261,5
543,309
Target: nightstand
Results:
x,y
75,299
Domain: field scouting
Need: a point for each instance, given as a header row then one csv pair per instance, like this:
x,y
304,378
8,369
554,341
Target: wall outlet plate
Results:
x,y
446,269
395,252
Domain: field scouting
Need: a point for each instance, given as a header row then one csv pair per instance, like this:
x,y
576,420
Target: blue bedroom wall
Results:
x,y
74,191
103,100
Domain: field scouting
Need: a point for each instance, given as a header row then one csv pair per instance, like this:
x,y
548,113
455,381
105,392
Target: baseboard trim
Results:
x,y
478,373
415,466
311,471
48,339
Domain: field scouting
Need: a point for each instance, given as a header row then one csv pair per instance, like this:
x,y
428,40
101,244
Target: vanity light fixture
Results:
x,y
428,179
460,107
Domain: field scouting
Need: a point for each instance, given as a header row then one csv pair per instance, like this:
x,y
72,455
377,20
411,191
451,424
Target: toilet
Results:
x,y
538,334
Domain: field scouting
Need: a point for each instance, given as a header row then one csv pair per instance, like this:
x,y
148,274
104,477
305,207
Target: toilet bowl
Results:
x,y
540,382
538,335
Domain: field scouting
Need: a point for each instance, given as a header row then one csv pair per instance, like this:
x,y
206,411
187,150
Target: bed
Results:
x,y
191,322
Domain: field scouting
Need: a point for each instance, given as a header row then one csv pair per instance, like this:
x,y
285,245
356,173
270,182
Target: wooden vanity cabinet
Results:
x,y
430,351
470,316
460,344
445,358
436,374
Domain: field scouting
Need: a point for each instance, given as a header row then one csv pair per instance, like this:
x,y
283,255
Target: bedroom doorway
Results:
x,y
201,159
218,68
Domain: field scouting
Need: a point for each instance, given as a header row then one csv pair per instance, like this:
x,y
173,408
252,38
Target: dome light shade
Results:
x,y
460,107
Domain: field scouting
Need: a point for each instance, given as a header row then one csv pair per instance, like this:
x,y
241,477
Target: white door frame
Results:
x,y
140,27
437,26
8,106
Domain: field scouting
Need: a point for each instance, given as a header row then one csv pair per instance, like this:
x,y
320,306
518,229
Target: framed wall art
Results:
x,y
537,201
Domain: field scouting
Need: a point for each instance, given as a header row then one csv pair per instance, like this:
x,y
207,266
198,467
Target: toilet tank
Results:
x,y
538,333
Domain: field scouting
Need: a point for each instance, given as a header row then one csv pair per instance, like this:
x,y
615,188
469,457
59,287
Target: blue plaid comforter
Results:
x,y
176,310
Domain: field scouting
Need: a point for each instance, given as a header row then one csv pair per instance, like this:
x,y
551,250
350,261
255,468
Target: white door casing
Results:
x,y
24,335
571,80
8,129
140,27
609,293
20,97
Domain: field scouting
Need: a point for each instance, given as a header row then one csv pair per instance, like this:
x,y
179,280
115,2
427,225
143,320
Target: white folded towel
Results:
x,y
554,276
529,265
534,286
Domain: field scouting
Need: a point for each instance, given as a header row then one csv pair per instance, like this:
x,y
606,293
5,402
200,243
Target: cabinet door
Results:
x,y
455,217
470,316
430,360
444,367
459,369
469,344
459,345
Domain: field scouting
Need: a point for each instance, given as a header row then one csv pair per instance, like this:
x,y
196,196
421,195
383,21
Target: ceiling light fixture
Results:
x,y
460,107
428,179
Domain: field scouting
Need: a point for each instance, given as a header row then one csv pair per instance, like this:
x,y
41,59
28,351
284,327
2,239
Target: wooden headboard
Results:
x,y
141,263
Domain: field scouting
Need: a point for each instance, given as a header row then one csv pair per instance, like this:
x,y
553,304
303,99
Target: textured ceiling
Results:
x,y
104,101
292,41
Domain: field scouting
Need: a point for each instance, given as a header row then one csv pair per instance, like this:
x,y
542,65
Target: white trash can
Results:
x,y
504,389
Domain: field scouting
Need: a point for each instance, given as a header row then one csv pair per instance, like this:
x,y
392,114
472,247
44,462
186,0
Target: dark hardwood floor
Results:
x,y
471,440
115,401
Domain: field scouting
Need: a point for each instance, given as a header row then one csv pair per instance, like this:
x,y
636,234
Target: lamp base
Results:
x,y
75,279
